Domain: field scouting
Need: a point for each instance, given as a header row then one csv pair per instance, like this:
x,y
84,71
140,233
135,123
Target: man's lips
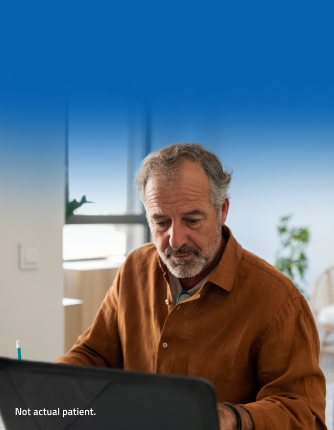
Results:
x,y
181,257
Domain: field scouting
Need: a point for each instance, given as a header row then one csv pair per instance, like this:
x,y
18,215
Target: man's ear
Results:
x,y
225,207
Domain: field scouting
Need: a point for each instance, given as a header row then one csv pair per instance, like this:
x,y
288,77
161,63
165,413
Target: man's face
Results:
x,y
183,221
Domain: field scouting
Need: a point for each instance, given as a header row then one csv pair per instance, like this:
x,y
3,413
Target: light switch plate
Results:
x,y
30,256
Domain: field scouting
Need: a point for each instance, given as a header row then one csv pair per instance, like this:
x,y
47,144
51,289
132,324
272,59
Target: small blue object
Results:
x,y
18,347
183,291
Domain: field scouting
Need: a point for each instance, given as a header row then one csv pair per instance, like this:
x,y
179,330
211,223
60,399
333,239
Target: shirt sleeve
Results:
x,y
100,344
291,384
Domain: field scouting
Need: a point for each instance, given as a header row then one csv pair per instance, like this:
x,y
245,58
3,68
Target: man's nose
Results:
x,y
178,235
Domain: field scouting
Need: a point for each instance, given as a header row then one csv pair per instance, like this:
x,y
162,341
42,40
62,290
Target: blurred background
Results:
x,y
87,91
275,134
61,141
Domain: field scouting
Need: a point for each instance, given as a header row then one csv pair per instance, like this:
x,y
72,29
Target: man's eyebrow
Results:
x,y
190,213
158,216
195,212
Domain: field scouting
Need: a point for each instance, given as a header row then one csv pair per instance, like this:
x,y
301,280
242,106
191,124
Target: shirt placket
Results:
x,y
171,351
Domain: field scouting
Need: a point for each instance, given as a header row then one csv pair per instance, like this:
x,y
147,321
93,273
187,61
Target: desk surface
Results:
x,y
103,263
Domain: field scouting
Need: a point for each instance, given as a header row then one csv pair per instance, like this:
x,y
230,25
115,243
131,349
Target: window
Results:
x,y
108,137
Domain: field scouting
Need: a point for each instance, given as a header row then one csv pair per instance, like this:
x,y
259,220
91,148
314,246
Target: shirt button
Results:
x,y
165,345
167,302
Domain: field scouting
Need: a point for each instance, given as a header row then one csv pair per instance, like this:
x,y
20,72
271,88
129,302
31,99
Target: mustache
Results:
x,y
185,249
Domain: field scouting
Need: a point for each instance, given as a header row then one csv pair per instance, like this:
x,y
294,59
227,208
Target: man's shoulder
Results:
x,y
260,265
141,269
265,274
144,255
146,250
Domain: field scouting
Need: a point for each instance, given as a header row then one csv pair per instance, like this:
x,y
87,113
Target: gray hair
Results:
x,y
168,158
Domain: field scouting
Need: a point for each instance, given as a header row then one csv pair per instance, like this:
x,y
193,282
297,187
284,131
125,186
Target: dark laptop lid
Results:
x,y
44,396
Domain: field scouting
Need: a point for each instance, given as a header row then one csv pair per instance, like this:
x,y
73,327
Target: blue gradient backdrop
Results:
x,y
251,81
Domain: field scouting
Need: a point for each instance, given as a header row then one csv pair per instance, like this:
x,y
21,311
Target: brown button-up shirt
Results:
x,y
248,330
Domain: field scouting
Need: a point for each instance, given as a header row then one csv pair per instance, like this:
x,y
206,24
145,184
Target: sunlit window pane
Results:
x,y
87,241
105,147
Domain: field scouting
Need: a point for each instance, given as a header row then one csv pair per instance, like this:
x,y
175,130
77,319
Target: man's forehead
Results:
x,y
184,199
186,191
166,205
189,180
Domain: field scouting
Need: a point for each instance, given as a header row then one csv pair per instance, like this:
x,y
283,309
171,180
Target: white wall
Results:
x,y
32,188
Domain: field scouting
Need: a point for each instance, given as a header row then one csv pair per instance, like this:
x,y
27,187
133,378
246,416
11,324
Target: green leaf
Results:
x,y
293,242
285,218
282,229
73,205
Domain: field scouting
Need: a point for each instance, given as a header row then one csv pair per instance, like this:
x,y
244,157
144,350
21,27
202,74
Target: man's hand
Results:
x,y
228,420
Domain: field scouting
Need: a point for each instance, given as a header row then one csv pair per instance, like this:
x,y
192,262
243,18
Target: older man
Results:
x,y
196,303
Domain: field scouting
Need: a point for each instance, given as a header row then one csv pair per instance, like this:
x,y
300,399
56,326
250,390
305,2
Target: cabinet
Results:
x,y
88,282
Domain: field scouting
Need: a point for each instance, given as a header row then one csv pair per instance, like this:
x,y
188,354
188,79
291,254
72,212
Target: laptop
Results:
x,y
45,396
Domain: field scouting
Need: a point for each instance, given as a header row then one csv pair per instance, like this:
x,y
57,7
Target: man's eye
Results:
x,y
193,221
161,223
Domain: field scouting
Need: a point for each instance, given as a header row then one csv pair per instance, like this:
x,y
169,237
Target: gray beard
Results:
x,y
193,267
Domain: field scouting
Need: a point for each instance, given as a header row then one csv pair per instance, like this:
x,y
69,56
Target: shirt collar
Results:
x,y
225,273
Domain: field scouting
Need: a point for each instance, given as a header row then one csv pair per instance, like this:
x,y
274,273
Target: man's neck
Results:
x,y
188,283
